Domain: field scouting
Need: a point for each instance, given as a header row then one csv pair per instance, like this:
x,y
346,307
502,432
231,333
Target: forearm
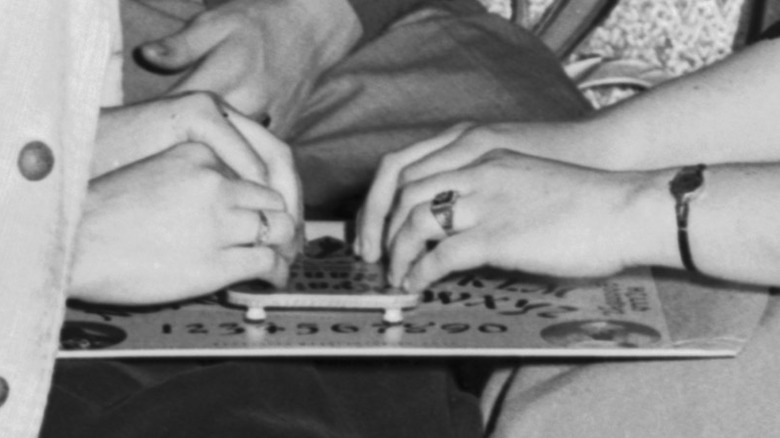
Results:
x,y
732,227
725,113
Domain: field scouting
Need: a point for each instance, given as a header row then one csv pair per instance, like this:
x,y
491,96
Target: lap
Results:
x,y
249,398
713,398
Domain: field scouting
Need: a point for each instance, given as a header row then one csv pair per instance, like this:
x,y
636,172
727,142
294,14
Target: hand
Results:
x,y
173,226
578,142
131,133
391,174
261,56
514,212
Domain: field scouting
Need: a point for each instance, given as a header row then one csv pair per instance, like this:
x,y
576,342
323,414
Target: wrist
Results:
x,y
610,143
648,227
590,142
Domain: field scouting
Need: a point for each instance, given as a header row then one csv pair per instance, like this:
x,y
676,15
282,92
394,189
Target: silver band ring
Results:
x,y
441,207
264,230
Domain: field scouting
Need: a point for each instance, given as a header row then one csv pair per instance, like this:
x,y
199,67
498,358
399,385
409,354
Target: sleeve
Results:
x,y
376,15
56,52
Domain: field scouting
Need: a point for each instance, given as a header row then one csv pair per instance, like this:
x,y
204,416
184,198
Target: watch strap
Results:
x,y
682,237
685,186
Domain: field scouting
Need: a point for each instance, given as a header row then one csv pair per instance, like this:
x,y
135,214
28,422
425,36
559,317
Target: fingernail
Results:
x,y
157,50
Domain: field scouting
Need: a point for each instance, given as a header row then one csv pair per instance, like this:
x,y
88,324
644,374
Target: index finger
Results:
x,y
277,155
458,252
224,138
282,175
238,264
371,220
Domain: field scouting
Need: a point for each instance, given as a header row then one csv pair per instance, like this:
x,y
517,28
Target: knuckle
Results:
x,y
405,196
275,199
495,158
419,217
388,162
263,260
199,153
407,175
482,135
449,254
483,175
443,255
490,130
496,154
471,130
201,102
287,225
398,159
202,173
208,181
280,152
271,264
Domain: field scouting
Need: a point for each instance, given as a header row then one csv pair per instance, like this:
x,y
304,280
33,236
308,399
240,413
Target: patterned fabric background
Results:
x,y
677,35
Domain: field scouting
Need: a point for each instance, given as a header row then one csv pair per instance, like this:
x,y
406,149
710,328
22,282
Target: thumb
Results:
x,y
182,49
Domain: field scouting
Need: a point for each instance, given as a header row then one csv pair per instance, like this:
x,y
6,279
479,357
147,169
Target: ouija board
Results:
x,y
480,313
328,276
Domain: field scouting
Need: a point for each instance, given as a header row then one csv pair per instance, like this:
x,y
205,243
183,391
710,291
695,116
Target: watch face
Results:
x,y
687,180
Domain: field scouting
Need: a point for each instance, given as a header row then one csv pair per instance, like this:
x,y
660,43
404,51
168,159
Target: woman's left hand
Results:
x,y
571,142
262,57
514,212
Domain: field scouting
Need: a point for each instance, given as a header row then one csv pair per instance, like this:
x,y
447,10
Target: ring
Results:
x,y
441,207
264,230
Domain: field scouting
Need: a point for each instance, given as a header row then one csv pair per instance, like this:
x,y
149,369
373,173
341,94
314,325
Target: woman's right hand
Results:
x,y
578,142
516,212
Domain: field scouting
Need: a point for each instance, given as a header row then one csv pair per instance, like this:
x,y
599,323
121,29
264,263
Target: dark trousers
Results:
x,y
258,398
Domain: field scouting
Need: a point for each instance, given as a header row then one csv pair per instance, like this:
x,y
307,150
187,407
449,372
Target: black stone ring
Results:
x,y
442,209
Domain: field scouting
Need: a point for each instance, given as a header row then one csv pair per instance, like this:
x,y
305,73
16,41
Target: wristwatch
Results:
x,y
686,185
